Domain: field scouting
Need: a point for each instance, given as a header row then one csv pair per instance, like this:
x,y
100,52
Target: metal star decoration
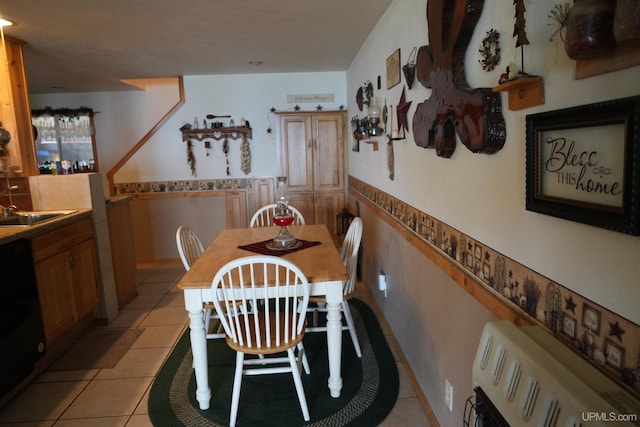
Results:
x,y
570,305
401,112
616,331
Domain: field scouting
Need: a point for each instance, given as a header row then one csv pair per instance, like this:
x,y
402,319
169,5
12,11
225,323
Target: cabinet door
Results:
x,y
305,203
296,151
327,206
263,193
236,206
57,302
328,152
84,269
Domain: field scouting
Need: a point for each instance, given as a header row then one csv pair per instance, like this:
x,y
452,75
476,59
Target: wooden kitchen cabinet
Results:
x,y
311,153
67,275
123,253
16,112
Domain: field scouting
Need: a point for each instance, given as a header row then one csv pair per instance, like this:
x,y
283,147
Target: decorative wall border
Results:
x,y
588,328
183,186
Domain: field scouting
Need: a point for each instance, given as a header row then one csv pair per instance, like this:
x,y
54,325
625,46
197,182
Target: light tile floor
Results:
x,y
117,397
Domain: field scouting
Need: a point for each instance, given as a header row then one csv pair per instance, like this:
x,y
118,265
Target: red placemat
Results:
x,y
262,249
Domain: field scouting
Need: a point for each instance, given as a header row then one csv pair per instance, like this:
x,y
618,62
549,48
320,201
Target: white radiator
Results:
x,y
532,379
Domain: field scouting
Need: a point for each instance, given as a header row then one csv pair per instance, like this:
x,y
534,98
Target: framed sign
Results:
x,y
614,355
583,164
591,319
393,69
569,326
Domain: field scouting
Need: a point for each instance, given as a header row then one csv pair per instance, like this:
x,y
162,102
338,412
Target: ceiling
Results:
x,y
90,46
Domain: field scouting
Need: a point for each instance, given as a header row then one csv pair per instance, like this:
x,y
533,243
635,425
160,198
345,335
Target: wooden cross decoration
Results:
x,y
475,115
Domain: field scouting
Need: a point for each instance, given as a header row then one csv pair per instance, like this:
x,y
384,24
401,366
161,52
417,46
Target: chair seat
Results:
x,y
270,345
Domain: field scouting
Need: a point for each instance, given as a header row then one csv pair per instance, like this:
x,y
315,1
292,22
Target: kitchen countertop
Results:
x,y
11,233
116,200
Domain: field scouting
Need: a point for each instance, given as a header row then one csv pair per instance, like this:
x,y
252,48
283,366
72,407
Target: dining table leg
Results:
x,y
198,337
334,338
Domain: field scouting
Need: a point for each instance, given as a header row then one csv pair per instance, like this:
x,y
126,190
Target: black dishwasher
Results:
x,y
21,332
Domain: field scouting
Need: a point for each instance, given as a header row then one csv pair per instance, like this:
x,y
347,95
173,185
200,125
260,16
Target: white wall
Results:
x,y
437,324
248,95
484,195
125,117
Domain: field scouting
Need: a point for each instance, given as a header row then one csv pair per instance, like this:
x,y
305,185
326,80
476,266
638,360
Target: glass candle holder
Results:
x,y
283,217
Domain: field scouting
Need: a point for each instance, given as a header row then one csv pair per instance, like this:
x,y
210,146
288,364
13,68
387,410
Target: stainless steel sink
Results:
x,y
25,219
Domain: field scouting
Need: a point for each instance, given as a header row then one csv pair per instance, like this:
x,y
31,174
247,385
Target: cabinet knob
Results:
x,y
72,259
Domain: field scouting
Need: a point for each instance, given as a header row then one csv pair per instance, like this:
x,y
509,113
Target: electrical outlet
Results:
x,y
448,395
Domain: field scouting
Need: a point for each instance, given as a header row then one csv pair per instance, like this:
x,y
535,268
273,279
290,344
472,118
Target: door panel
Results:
x,y
297,152
328,205
305,204
329,153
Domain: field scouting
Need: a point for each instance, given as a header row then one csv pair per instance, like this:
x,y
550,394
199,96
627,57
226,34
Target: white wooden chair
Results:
x,y
272,286
349,255
190,248
264,216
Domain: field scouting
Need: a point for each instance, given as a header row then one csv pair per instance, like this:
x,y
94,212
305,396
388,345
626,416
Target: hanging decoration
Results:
x,y
409,69
490,50
191,134
475,115
401,112
191,159
245,156
390,159
364,95
225,150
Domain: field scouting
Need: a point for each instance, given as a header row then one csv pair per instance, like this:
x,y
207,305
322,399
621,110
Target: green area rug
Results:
x,y
369,392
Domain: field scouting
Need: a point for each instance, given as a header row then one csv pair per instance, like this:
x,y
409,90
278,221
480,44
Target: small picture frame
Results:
x,y
569,326
486,271
393,69
591,319
614,354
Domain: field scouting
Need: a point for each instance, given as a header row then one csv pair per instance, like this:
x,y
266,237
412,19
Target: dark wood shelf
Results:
x,y
217,134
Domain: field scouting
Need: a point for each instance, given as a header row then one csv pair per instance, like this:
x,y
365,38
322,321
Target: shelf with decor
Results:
x,y
217,133
244,133
524,92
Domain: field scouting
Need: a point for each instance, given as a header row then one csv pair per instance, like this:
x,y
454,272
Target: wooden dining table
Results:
x,y
321,265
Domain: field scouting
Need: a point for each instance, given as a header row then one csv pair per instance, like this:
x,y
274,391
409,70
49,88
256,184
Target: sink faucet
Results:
x,y
8,210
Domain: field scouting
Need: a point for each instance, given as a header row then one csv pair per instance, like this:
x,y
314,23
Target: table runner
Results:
x,y
262,249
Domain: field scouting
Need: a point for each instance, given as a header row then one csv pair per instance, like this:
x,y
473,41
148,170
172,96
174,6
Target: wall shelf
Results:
x,y
217,134
524,92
